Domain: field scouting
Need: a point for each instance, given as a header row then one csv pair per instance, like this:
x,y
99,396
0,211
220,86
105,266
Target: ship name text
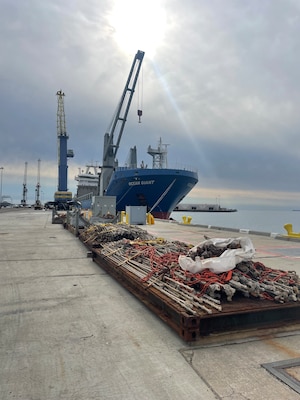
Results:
x,y
136,183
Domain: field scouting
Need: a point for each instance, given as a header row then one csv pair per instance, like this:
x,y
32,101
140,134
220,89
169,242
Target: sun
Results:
x,y
138,24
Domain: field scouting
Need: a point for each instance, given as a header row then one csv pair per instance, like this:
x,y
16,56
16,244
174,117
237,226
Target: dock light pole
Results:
x,y
1,177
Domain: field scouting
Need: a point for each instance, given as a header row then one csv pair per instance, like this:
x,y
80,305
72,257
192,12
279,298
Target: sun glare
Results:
x,y
138,24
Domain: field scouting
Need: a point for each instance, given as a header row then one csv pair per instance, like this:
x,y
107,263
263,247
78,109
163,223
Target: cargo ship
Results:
x,y
159,188
88,183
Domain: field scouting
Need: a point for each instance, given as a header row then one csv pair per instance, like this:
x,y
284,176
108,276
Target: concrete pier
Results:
x,y
69,331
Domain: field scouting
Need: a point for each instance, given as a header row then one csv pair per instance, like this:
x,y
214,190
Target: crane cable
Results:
x,y
140,102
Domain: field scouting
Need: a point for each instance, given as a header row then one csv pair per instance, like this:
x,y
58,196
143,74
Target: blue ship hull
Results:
x,y
160,190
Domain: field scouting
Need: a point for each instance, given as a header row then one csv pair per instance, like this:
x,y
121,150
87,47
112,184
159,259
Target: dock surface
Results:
x,y
70,331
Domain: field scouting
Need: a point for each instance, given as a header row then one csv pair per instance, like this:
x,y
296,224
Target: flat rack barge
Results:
x,y
239,315
191,317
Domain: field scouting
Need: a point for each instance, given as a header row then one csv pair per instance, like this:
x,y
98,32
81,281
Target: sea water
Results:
x,y
254,220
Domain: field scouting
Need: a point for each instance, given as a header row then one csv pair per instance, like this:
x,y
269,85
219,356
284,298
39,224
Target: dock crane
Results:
x,y
110,149
24,198
62,195
38,204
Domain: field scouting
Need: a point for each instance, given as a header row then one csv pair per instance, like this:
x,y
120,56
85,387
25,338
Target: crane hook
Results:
x,y
139,113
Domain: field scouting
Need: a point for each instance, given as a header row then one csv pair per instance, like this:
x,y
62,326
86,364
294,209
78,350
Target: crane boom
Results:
x,y
110,149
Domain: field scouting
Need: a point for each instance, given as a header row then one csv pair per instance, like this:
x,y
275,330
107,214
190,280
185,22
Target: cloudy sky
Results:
x,y
220,84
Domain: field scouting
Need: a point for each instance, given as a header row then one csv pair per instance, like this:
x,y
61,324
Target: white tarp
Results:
x,y
225,262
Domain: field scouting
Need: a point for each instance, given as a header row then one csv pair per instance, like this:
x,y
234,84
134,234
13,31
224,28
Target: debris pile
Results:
x,y
104,233
154,262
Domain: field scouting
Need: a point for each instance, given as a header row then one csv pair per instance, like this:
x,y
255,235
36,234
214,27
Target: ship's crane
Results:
x,y
38,204
62,195
24,198
118,123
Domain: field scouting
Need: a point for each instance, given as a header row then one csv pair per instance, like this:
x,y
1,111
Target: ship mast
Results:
x,y
159,155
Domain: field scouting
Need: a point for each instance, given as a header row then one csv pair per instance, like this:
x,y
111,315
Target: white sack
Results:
x,y
227,260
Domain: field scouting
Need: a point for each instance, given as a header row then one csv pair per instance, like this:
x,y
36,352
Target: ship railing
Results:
x,y
176,166
183,167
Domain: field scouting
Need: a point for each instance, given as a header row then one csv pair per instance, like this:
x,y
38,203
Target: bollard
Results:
x,y
189,219
123,217
184,219
150,219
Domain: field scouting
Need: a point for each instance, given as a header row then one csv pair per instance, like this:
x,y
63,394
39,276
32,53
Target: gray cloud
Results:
x,y
222,89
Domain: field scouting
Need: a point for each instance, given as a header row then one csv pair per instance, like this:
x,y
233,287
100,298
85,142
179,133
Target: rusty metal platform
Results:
x,y
239,315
